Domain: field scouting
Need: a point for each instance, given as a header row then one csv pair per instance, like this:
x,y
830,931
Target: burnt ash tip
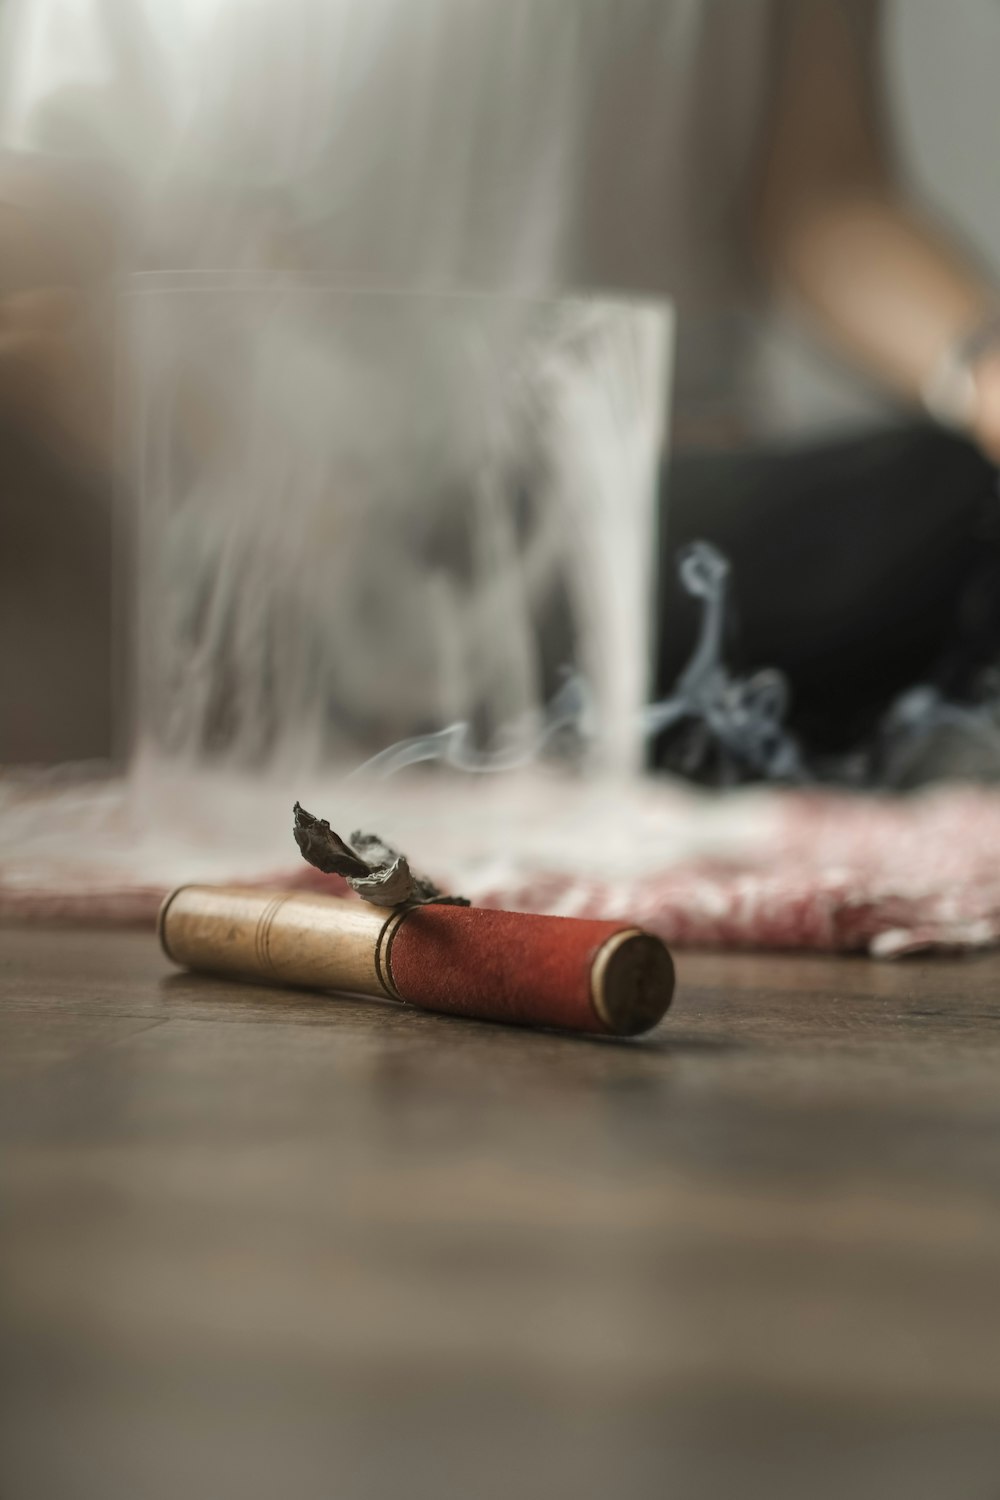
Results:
x,y
324,849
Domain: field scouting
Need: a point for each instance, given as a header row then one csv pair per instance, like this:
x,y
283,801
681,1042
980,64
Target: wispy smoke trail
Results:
x,y
521,743
736,726
744,717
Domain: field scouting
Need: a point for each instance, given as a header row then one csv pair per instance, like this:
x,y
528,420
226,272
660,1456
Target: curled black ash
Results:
x,y
371,867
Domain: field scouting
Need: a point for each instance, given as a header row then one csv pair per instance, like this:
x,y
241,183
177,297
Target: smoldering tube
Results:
x,y
576,975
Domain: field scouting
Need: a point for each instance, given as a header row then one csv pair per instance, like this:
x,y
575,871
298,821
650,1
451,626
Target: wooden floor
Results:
x,y
261,1244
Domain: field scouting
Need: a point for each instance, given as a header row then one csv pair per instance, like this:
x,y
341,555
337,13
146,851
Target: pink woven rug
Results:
x,y
838,873
809,871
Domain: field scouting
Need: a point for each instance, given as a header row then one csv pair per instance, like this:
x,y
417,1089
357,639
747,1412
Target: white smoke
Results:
x,y
360,514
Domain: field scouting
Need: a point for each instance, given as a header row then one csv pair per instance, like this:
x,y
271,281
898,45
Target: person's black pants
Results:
x,y
859,568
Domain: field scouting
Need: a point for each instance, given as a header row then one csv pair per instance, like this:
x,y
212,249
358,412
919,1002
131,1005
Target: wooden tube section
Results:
x,y
490,965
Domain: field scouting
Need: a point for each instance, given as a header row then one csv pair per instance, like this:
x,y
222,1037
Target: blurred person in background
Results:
x,y
706,150
864,563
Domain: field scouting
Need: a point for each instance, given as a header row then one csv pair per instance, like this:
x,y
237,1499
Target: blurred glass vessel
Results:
x,y
358,516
